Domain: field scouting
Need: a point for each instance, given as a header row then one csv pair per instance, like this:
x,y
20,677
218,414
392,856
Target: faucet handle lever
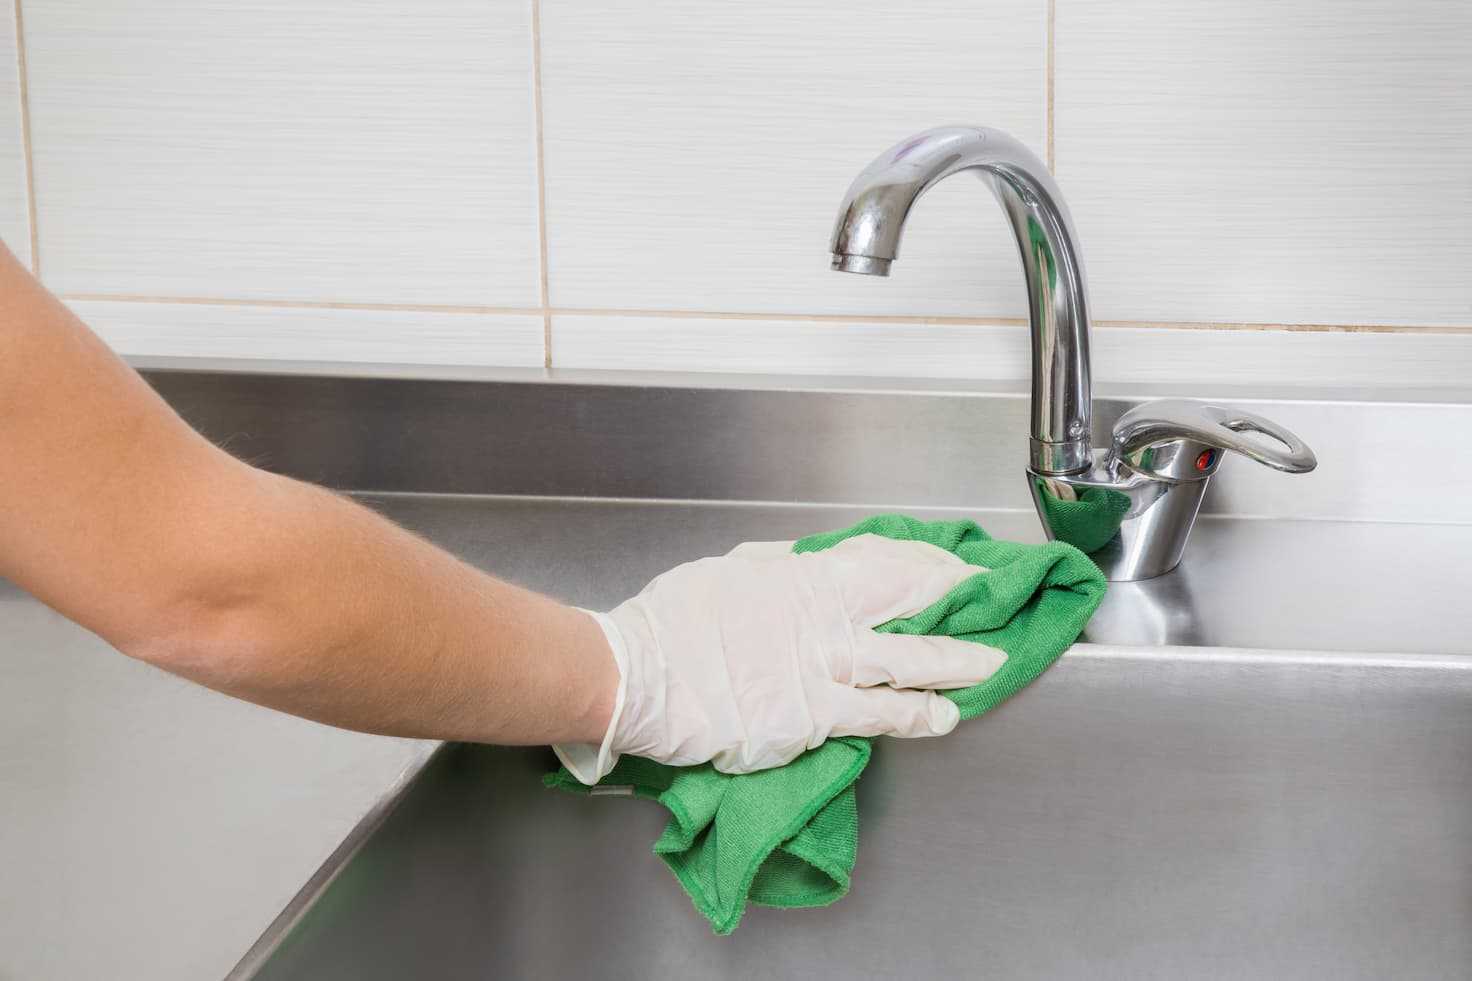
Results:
x,y
1177,439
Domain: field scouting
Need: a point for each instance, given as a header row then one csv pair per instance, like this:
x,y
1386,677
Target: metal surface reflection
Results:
x,y
1158,612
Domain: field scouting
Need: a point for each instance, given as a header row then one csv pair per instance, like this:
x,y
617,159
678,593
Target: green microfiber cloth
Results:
x,y
1088,523
788,837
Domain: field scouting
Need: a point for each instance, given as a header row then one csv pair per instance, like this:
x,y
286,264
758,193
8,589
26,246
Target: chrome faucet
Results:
x,y
1130,505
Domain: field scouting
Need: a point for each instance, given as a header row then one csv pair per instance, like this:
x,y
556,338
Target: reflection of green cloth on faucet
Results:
x,y
788,837
1042,252
1089,522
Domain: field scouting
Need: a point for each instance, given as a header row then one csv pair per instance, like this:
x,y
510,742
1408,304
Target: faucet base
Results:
x,y
1133,526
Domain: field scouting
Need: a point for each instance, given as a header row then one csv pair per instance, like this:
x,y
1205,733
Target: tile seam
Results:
x,y
541,182
1050,84
833,318
23,70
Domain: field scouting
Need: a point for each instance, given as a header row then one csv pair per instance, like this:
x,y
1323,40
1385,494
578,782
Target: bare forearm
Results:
x,y
118,515
333,613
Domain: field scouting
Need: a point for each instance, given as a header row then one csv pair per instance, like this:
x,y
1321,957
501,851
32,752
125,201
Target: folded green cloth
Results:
x,y
1088,523
788,837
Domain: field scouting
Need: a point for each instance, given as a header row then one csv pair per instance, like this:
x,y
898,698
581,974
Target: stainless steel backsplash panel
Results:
x,y
869,443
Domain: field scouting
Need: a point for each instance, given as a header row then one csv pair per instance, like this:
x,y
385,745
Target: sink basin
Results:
x,y
1175,811
1255,766
1135,813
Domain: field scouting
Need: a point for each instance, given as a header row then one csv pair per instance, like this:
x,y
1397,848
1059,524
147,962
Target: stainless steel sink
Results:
x,y
1259,765
1133,814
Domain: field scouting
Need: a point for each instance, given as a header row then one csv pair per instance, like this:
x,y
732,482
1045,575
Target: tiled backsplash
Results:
x,y
651,183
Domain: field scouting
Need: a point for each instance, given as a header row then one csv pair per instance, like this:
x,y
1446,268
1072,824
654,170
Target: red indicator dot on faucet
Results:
x,y
1205,460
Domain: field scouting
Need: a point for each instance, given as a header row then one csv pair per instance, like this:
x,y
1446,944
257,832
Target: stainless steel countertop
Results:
x,y
1351,586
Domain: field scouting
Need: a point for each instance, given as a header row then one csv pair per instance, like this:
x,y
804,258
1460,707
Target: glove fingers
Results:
x,y
889,712
883,579
903,661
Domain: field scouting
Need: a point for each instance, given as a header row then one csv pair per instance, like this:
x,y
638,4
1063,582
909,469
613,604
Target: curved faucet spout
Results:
x,y
866,240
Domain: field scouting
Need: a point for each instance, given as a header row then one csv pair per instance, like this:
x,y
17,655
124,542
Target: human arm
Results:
x,y
117,514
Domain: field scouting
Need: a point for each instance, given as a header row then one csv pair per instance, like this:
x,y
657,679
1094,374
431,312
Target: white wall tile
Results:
x,y
1121,355
15,222
374,336
1260,161
334,150
789,346
696,151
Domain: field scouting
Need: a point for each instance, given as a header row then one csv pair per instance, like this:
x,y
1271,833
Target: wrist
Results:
x,y
606,684
597,678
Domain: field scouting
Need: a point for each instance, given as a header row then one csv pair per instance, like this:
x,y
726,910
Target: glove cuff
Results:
x,y
585,761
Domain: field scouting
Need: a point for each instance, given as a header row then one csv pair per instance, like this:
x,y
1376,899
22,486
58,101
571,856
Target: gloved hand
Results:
x,y
749,659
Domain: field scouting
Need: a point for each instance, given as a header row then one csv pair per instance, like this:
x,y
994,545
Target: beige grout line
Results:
x,y
217,301
25,138
1292,328
819,318
922,321
541,179
1049,85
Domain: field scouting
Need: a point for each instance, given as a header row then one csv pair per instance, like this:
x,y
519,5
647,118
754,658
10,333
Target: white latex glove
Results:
x,y
751,658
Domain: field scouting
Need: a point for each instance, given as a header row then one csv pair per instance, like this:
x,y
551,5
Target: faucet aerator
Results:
x,y
866,265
